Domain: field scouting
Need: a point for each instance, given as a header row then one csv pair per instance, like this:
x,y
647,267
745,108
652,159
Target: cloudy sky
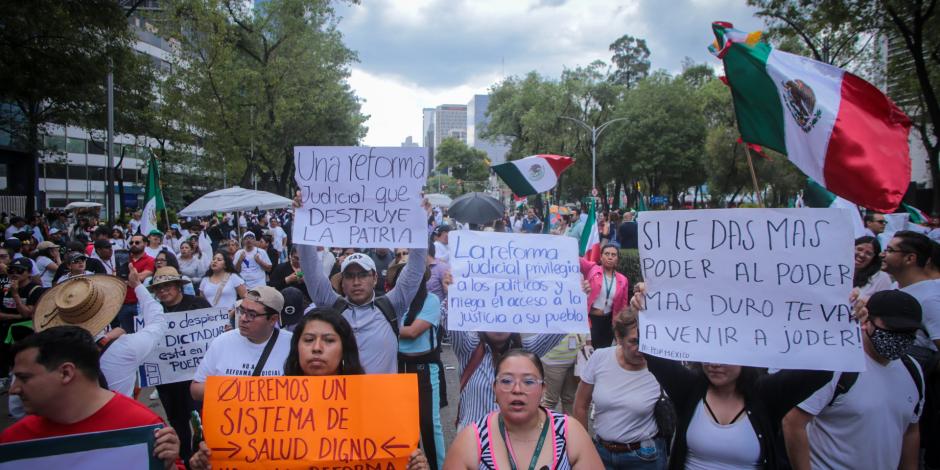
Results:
x,y
418,54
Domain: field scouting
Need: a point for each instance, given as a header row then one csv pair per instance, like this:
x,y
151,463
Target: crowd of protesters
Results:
x,y
73,290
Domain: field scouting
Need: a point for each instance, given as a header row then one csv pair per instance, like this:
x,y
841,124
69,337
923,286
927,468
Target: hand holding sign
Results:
x,y
304,422
757,287
365,197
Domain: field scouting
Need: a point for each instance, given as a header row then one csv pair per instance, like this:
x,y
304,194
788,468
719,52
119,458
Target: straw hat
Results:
x,y
90,302
166,275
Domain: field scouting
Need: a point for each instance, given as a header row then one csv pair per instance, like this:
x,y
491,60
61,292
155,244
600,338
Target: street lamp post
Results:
x,y
595,133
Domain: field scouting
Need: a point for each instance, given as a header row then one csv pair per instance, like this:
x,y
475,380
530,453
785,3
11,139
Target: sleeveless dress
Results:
x,y
558,423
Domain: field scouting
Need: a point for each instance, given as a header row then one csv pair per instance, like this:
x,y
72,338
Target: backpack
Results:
x,y
847,380
382,303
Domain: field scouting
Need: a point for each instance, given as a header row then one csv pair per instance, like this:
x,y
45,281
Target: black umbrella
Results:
x,y
476,208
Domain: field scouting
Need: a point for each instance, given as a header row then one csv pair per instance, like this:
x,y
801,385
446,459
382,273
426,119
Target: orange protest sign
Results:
x,y
355,422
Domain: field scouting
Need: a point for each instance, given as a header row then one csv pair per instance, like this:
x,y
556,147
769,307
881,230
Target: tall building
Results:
x,y
427,133
447,119
495,149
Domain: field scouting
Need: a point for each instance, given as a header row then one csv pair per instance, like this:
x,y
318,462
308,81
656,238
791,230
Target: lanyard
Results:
x,y
608,287
512,455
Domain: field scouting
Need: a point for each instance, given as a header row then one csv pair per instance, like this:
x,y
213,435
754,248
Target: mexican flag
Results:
x,y
838,129
534,174
590,244
817,196
153,198
918,216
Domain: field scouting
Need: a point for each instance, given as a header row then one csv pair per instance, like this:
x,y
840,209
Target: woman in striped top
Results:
x,y
478,354
521,434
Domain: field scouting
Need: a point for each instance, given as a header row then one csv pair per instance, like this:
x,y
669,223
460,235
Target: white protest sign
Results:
x,y
755,287
522,283
361,197
183,346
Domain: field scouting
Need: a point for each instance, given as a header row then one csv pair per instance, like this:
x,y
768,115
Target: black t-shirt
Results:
x,y
29,293
189,302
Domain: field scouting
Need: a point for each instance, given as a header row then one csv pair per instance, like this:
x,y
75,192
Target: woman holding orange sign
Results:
x,y
323,344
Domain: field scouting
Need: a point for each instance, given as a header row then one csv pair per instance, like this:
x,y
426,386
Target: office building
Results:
x,y
495,149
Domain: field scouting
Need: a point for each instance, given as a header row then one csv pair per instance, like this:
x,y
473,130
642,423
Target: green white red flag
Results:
x,y
534,174
840,130
590,242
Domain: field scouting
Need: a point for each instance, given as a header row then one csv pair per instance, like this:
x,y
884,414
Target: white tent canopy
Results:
x,y
439,200
83,205
234,199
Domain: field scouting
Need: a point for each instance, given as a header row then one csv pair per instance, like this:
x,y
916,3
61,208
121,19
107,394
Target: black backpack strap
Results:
x,y
388,310
912,368
264,354
340,305
845,383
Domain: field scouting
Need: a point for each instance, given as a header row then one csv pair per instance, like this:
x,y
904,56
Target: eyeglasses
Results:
x,y
357,275
137,242
895,250
250,315
527,384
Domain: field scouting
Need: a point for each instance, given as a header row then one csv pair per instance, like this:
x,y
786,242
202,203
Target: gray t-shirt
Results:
x,y
928,294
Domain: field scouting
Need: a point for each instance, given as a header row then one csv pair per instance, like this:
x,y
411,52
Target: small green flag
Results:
x,y
153,198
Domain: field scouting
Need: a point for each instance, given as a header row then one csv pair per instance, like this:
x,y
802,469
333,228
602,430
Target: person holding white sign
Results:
x,y
374,319
175,397
728,415
866,419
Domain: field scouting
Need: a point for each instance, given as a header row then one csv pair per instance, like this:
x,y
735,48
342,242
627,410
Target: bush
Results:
x,y
630,265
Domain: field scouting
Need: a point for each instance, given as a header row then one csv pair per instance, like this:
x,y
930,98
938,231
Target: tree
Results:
x,y
259,79
631,60
840,33
463,163
54,59
662,140
916,24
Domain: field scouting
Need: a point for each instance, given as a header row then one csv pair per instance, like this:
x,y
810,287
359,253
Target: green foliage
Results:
x,y
631,59
259,79
463,162
54,59
630,265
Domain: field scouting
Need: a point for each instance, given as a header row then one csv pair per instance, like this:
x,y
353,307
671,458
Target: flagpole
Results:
x,y
750,165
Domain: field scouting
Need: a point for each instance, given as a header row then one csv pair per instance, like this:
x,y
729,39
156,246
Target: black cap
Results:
x,y
12,244
22,263
102,244
75,256
440,229
897,309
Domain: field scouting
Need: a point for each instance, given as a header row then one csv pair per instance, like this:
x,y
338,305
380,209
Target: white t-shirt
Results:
x,y
866,424
928,294
153,252
229,294
42,264
279,236
623,399
876,283
233,354
251,271
605,298
714,446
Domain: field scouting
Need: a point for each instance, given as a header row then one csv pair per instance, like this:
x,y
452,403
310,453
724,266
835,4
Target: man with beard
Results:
x,y
143,263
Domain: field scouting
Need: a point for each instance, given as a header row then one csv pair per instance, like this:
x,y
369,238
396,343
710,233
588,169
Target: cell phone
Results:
x,y
122,261
300,274
196,422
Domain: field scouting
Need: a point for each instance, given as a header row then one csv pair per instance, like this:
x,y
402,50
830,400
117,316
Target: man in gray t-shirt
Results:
x,y
377,341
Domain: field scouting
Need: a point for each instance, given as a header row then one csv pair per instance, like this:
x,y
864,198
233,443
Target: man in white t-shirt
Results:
x,y
872,424
905,258
238,352
280,238
251,262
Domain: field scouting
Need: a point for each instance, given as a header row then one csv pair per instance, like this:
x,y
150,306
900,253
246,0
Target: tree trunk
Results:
x,y
618,185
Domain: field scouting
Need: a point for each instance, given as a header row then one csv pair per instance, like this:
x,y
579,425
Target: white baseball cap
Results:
x,y
362,259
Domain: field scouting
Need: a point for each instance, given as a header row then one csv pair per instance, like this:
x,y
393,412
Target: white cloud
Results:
x,y
422,53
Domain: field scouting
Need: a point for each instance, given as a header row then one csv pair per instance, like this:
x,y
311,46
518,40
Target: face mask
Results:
x,y
890,344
